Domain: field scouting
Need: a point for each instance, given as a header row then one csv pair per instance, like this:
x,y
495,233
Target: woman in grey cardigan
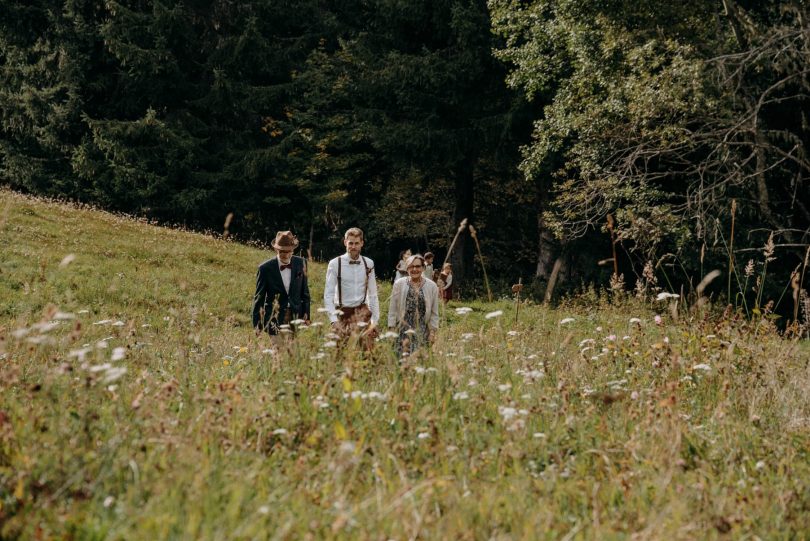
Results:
x,y
414,308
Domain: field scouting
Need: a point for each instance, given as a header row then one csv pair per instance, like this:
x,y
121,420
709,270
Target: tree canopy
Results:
x,y
540,122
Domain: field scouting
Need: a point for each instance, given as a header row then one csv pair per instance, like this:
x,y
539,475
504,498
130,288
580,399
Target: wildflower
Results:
x,y
749,268
103,322
635,320
108,501
67,260
760,465
463,310
507,412
664,296
518,424
566,321
611,338
539,436
264,509
268,351
80,353
658,320
114,374
472,383
769,249
423,435
347,447
496,313
503,387
389,334
467,336
330,344
512,333
296,322
634,395
279,431
118,354
323,310
702,366
100,367
461,395
118,323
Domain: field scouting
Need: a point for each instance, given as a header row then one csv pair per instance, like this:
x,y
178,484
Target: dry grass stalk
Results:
x,y
474,235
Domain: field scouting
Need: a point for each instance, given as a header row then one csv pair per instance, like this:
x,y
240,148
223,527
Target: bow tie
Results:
x,y
282,267
356,262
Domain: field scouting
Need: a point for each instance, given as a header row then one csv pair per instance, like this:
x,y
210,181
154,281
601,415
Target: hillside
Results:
x,y
136,403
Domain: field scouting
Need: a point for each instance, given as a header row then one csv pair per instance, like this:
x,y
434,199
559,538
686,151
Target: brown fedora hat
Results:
x,y
285,239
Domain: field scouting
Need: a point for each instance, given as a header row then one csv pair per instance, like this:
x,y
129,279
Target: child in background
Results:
x,y
401,269
446,282
427,272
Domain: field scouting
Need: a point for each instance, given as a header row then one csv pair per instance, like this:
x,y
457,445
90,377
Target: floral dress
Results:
x,y
413,320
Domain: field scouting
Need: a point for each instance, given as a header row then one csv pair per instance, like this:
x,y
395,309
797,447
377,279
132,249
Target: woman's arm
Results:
x,y
393,306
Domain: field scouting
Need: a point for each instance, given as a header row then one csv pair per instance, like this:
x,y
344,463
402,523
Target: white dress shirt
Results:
x,y
286,275
353,286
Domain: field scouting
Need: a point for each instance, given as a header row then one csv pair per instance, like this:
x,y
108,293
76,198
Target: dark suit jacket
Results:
x,y
270,290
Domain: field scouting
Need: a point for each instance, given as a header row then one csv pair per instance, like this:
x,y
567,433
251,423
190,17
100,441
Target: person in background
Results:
x,y
282,292
427,272
414,309
401,270
350,294
446,282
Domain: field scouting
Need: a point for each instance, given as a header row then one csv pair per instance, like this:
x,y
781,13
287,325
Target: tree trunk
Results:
x,y
463,252
546,248
547,245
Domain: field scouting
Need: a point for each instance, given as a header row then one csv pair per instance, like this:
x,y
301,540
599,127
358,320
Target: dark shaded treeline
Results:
x,y
397,117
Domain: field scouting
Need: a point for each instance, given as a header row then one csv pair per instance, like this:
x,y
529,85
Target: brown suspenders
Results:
x,y
339,282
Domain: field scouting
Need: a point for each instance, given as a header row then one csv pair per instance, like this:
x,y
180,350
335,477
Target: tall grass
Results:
x,y
587,421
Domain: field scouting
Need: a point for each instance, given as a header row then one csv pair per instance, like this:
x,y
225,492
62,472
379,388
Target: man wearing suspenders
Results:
x,y
350,295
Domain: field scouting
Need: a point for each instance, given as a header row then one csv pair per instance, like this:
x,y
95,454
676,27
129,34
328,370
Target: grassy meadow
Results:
x,y
137,403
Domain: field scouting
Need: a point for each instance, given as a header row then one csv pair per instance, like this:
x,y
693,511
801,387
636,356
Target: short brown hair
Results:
x,y
353,232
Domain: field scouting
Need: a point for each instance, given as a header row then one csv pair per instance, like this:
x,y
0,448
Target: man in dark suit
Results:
x,y
282,292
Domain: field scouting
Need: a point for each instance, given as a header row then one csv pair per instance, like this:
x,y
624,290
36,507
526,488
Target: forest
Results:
x,y
587,142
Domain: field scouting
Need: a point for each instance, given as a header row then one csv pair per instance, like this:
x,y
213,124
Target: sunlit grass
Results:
x,y
136,403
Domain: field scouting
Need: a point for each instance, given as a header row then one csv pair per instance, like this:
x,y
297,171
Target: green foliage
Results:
x,y
661,113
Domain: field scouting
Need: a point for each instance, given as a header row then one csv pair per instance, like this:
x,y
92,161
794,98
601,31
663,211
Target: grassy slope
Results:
x,y
209,436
